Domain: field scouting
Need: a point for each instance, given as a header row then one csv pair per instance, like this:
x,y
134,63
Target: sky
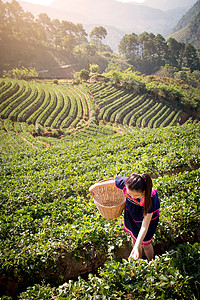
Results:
x,y
47,2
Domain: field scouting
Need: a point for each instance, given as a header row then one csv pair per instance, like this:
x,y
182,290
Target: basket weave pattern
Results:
x,y
110,201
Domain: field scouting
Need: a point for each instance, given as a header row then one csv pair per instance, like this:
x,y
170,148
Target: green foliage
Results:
x,y
184,93
84,75
147,53
97,34
55,81
167,71
20,25
115,75
85,50
94,69
174,275
22,73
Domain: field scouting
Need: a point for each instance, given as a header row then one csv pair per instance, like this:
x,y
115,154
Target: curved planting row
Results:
x,y
29,97
32,106
7,104
91,131
101,94
89,98
117,112
45,115
50,105
127,108
91,103
6,141
7,89
12,137
78,107
17,136
111,108
72,113
63,105
62,110
84,102
36,115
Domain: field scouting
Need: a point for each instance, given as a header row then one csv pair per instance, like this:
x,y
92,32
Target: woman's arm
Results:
x,y
110,182
143,231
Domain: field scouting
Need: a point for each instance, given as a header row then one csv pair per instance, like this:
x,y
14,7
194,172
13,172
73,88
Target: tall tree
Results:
x,y
147,53
3,22
80,34
97,34
162,51
129,46
56,38
190,58
14,19
175,52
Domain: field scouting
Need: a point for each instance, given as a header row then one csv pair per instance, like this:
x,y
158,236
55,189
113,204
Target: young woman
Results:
x,y
141,214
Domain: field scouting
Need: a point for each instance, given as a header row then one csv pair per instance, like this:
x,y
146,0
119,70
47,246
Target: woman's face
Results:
x,y
137,195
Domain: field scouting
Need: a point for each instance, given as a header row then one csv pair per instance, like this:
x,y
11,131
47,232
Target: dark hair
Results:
x,y
141,183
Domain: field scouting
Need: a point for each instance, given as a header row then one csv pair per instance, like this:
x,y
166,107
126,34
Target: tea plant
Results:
x,y
174,275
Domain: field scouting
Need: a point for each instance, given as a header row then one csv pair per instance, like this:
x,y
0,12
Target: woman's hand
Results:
x,y
137,249
135,253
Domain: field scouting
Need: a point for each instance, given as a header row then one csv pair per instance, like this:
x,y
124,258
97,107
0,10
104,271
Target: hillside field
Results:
x,y
67,106
59,139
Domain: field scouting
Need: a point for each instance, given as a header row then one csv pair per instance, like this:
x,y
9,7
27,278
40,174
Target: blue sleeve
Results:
x,y
155,204
120,182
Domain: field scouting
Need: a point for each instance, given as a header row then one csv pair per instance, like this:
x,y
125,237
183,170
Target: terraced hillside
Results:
x,y
47,104
133,109
20,136
70,106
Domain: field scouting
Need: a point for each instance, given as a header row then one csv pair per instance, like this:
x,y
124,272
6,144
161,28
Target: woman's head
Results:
x,y
140,185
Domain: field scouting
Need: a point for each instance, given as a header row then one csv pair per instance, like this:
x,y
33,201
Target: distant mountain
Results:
x,y
188,28
125,16
128,17
53,13
188,17
118,18
169,4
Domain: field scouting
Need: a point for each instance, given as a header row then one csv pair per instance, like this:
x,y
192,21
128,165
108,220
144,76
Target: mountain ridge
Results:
x,y
188,17
129,17
187,29
120,18
169,4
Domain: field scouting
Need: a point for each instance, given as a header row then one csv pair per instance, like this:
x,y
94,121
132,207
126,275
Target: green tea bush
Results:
x,y
174,275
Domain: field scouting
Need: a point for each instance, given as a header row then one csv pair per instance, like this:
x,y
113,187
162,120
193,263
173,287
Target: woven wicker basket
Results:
x,y
110,201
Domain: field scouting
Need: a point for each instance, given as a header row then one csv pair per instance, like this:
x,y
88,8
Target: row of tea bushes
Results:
x,y
174,275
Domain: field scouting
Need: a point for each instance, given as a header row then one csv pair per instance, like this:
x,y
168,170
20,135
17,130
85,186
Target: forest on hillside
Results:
x,y
63,42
